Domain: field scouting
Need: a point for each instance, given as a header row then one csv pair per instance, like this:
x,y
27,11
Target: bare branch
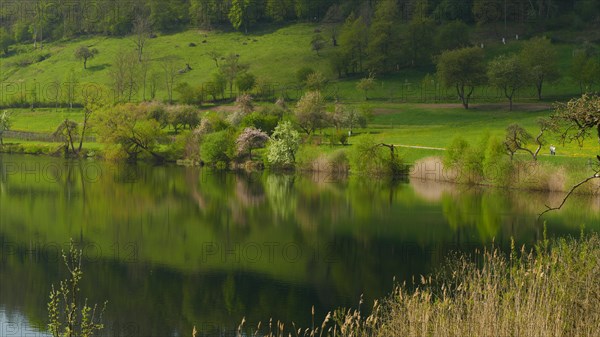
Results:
x,y
548,208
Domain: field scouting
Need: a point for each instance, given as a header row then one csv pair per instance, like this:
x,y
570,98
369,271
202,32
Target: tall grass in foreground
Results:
x,y
551,290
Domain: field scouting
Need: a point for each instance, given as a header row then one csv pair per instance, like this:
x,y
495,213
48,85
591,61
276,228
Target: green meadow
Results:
x,y
274,56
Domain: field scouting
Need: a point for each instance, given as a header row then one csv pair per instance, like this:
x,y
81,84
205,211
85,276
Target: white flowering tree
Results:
x,y
284,143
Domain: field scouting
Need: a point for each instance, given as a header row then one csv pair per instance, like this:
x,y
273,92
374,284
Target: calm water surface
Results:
x,y
172,247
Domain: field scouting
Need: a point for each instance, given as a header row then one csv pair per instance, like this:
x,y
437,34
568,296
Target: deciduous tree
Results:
x,y
463,69
251,138
508,74
541,60
128,130
284,143
84,53
310,112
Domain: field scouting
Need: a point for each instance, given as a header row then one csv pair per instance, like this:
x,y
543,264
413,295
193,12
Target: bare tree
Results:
x,y
169,67
153,84
71,84
215,56
141,32
144,70
517,138
123,76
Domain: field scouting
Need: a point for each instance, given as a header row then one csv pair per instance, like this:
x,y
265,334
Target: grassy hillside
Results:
x,y
274,55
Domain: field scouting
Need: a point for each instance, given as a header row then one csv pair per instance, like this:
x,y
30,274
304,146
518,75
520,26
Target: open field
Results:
x,y
412,125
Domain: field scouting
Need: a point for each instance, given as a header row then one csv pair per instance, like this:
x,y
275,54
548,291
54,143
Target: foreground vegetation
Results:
x,y
550,290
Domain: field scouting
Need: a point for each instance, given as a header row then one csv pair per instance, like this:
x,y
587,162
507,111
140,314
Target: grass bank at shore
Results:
x,y
420,132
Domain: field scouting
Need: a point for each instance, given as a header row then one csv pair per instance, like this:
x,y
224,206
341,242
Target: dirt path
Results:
x,y
529,107
444,149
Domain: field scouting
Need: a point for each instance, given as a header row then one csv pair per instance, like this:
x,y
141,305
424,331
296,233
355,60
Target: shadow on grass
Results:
x,y
98,67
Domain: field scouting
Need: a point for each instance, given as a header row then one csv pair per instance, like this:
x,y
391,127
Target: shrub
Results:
x,y
338,137
372,158
497,166
303,73
259,120
183,116
217,147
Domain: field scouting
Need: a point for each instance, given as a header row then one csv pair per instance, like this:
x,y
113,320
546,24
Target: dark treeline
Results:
x,y
40,20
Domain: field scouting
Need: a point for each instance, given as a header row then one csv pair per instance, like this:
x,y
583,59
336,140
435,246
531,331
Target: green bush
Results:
x,y
217,147
486,163
303,73
371,158
263,122
338,137
497,166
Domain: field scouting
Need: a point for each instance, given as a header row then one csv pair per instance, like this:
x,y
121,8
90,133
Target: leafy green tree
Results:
x,y
216,87
337,62
448,10
585,69
158,112
238,14
508,74
231,68
6,40
245,81
84,53
487,11
383,39
317,43
166,15
260,120
353,42
374,158
541,59
187,94
420,41
217,147
284,143
303,73
453,35
128,131
310,112
183,116
463,69
279,10
5,123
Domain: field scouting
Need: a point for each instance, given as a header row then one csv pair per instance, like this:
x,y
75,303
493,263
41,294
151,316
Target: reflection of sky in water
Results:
x,y
13,323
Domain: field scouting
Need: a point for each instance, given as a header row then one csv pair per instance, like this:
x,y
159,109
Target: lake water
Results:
x,y
173,247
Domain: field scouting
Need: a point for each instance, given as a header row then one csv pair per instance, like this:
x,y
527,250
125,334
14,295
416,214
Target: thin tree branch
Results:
x,y
548,208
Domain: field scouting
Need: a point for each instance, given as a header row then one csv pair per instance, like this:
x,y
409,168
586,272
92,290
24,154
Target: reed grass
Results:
x,y
551,289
